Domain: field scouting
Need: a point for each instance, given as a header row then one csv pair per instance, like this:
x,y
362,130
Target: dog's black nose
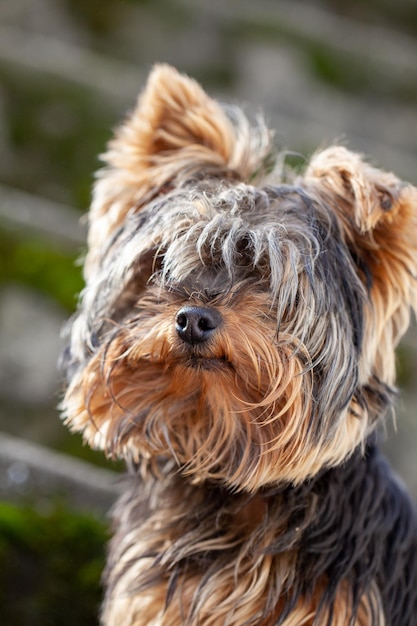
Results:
x,y
195,324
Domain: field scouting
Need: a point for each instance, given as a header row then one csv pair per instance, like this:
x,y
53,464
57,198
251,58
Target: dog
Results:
x,y
234,344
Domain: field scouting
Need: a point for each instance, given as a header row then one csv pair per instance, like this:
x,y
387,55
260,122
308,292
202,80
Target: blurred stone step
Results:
x,y
60,224
32,473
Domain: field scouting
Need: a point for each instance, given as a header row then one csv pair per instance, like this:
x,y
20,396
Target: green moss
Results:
x,y
216,76
339,70
54,132
50,567
33,263
100,17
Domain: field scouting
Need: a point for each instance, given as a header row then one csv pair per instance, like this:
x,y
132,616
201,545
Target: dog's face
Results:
x,y
244,329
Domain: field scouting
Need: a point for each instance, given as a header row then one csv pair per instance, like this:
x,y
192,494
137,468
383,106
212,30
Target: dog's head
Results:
x,y
242,327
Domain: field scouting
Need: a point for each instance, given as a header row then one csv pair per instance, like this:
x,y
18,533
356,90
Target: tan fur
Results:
x,y
227,600
174,129
378,213
251,408
264,401
241,593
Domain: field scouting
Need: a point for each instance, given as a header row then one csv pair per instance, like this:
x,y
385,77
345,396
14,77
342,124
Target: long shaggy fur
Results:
x,y
257,493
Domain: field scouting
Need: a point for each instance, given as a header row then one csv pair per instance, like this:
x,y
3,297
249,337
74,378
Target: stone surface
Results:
x,y
30,326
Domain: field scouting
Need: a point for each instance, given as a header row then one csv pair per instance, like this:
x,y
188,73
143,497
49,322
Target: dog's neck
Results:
x,y
185,540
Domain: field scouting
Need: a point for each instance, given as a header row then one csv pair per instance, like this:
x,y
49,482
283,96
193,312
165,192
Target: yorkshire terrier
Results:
x,y
235,345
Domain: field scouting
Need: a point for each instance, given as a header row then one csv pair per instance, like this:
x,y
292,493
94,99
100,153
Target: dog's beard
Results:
x,y
237,409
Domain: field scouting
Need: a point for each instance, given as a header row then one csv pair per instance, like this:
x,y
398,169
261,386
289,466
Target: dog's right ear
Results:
x,y
378,216
176,132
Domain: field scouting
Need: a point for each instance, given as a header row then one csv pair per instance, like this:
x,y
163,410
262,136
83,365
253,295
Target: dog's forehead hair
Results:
x,y
229,226
219,235
242,229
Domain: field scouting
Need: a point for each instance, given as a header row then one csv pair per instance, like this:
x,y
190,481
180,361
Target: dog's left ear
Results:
x,y
175,133
366,198
378,214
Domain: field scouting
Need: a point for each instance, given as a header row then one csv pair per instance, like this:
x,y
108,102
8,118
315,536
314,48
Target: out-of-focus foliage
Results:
x,y
30,262
55,132
50,566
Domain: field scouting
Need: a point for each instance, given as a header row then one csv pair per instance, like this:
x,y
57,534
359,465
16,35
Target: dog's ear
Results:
x,y
378,214
175,133
366,198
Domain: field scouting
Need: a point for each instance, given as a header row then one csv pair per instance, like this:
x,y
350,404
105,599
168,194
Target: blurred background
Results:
x,y
320,70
